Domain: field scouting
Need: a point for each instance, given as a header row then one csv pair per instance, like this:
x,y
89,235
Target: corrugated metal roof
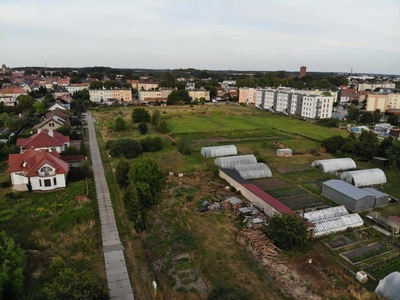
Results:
x,y
346,188
364,177
324,214
375,192
333,165
279,206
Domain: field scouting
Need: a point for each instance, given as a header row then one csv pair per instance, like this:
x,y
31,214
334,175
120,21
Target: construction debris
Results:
x,y
262,246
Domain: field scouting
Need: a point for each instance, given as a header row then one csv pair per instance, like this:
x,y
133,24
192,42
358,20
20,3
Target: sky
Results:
x,y
265,35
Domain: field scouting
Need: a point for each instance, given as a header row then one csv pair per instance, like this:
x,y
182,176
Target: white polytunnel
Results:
x,y
216,151
389,287
253,171
230,162
333,165
364,177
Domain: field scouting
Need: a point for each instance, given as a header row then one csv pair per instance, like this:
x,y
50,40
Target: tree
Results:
x,y
139,115
25,102
212,89
128,148
39,107
64,130
119,124
353,113
13,262
162,127
367,118
143,128
121,172
96,85
156,117
75,285
75,79
151,144
393,119
82,148
288,232
385,145
333,143
179,97
146,176
377,115
393,152
329,122
134,207
369,144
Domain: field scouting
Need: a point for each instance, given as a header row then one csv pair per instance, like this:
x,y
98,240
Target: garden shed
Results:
x,y
231,162
334,165
217,151
348,195
252,171
389,287
333,219
364,177
284,152
380,198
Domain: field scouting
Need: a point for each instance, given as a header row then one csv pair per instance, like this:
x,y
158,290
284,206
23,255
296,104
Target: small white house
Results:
x,y
42,170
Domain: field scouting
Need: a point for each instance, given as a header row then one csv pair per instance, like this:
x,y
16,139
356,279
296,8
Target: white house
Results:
x,y
42,170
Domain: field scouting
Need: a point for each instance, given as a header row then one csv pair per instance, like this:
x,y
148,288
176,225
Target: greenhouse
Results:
x,y
333,165
253,171
389,287
217,151
231,162
364,177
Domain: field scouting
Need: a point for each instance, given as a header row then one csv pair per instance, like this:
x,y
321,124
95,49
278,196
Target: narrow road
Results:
x,y
119,284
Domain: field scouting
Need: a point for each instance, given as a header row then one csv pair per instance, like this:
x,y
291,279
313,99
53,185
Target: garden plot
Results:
x,y
383,268
366,252
300,201
343,240
270,183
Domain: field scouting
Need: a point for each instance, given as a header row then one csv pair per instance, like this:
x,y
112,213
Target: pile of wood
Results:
x,y
262,246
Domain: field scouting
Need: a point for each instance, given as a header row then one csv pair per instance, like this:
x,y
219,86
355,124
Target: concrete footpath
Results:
x,y
119,284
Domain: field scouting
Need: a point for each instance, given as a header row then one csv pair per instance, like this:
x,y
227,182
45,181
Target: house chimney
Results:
x,y
51,133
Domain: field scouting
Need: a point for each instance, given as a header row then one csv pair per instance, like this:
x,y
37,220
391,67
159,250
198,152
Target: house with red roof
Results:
x,y
9,95
45,139
40,169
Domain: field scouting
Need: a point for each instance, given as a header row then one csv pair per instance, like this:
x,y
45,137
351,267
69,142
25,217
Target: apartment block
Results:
x,y
372,87
76,87
317,107
377,101
197,94
247,95
100,96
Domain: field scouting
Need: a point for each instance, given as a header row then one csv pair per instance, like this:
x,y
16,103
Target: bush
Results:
x,y
64,130
121,172
143,128
162,127
151,144
128,148
119,124
156,118
71,150
139,114
331,122
109,143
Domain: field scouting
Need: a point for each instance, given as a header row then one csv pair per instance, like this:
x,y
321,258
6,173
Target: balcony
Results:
x,y
50,173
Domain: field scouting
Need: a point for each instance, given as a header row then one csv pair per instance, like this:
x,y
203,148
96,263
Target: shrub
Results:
x,y
151,144
139,114
156,118
119,124
128,148
162,127
121,172
109,143
143,128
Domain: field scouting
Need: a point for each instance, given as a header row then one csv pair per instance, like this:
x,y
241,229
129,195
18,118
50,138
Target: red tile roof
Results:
x,y
395,218
32,160
43,139
13,90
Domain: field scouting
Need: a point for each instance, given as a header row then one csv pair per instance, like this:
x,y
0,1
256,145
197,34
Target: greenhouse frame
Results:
x,y
334,165
389,287
253,171
364,177
216,151
231,162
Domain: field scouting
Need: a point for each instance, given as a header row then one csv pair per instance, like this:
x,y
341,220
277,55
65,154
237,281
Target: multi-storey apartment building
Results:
x,y
100,96
317,106
76,87
247,95
369,86
197,94
9,95
162,95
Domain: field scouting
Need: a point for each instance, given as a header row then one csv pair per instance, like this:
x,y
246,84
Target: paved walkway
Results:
x,y
117,273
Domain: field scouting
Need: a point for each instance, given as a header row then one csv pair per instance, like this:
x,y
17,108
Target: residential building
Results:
x,y
317,107
52,123
76,87
141,85
303,71
372,87
197,94
3,69
393,101
377,101
39,169
102,95
247,95
60,91
44,140
57,105
9,95
159,95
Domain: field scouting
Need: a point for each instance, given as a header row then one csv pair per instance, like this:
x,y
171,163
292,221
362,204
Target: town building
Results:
x,y
247,95
60,91
373,86
317,107
76,87
160,95
197,94
141,85
9,95
41,170
303,71
377,101
52,123
103,95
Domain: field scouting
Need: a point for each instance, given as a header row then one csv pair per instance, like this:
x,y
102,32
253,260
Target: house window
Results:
x,y
40,182
46,170
47,182
55,181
